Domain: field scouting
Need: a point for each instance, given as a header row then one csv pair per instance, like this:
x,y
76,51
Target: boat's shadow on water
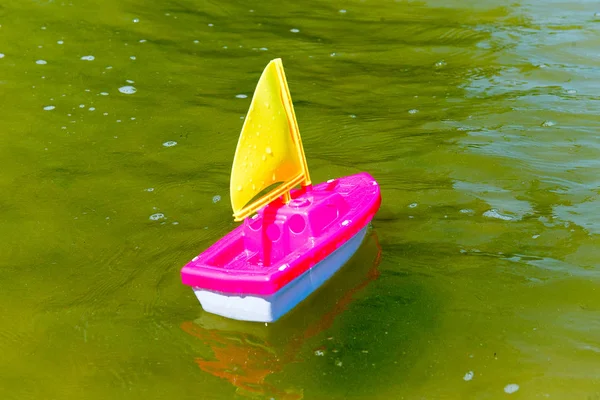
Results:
x,y
333,334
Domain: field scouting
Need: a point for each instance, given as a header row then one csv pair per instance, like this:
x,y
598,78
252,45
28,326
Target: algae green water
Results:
x,y
480,121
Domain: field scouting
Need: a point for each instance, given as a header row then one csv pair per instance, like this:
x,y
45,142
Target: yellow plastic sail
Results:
x,y
269,149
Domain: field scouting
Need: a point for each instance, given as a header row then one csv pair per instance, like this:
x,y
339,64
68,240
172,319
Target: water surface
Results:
x,y
480,277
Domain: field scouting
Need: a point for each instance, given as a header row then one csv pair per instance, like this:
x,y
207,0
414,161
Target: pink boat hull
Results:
x,y
270,254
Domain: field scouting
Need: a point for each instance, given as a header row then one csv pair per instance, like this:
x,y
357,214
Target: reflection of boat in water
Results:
x,y
247,353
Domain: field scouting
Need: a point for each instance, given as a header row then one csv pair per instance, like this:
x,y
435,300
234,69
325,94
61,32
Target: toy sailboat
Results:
x,y
292,239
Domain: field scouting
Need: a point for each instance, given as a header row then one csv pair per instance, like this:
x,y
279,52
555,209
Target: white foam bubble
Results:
x,y
157,216
49,108
136,20
41,62
170,143
468,376
413,111
413,205
216,198
1,55
241,96
511,388
127,89
60,41
493,213
88,58
294,30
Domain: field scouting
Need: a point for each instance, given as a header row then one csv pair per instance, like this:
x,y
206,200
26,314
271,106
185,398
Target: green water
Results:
x,y
479,121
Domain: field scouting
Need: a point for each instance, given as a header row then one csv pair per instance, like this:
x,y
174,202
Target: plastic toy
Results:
x,y
292,239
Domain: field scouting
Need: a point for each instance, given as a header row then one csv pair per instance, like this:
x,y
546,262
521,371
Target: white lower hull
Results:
x,y
272,307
